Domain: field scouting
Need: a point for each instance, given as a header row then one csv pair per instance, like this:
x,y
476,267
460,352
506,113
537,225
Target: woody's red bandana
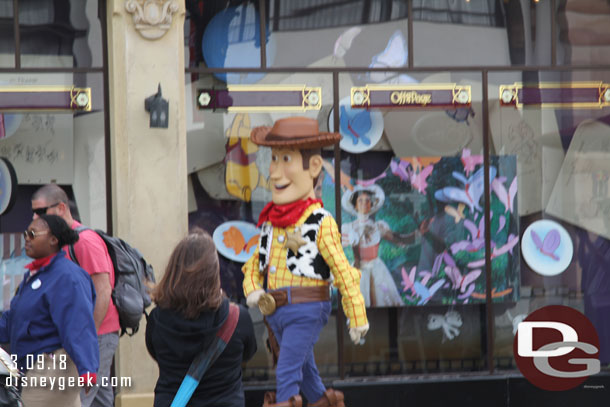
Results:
x,y
285,215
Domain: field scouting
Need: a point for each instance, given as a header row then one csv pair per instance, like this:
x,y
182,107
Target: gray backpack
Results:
x,y
132,279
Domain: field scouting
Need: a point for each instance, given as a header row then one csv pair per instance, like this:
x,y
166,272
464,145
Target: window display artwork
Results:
x,y
361,129
236,240
450,323
232,39
547,247
416,229
242,175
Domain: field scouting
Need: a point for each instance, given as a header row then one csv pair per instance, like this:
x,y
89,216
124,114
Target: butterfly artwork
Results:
x,y
464,283
507,197
450,323
236,240
394,55
408,279
356,123
470,161
549,244
494,293
477,237
472,191
501,223
400,169
233,239
457,214
425,293
418,178
461,114
498,251
344,41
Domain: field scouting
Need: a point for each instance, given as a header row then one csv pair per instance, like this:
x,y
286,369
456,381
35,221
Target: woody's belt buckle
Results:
x,y
266,303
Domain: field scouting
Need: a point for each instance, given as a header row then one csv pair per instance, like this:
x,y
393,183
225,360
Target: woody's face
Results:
x,y
289,181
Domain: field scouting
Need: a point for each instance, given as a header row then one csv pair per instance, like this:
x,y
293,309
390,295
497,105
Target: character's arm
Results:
x,y
253,280
347,278
396,238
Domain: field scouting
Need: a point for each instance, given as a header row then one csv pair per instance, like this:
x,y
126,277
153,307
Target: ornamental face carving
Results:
x,y
152,18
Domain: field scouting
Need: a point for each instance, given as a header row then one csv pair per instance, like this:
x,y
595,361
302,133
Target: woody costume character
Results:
x,y
298,256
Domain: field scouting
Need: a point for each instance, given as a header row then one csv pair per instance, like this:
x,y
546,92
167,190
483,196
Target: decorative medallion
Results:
x,y
152,18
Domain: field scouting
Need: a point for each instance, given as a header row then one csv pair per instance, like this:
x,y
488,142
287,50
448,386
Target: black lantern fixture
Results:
x,y
158,109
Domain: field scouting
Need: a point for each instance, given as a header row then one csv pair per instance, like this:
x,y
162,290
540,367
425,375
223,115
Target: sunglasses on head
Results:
x,y
43,210
31,234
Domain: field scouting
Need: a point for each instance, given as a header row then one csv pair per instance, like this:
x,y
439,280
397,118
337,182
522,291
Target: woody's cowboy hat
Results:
x,y
377,198
293,132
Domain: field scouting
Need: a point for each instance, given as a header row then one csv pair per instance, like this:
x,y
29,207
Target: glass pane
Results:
x,y
337,33
412,221
584,33
43,147
563,202
7,34
219,36
60,34
228,178
482,32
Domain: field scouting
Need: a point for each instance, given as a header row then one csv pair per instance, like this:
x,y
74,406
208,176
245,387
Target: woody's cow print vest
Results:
x,y
307,261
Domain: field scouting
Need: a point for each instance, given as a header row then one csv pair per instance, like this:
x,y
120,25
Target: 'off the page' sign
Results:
x,y
571,95
426,96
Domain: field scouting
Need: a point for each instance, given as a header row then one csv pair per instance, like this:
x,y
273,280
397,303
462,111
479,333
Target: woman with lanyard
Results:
x,y
50,324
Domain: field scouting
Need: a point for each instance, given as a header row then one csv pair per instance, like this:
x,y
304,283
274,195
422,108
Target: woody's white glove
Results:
x,y
357,333
253,298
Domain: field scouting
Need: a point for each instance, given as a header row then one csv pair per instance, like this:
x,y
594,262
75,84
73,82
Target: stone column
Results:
x,y
149,177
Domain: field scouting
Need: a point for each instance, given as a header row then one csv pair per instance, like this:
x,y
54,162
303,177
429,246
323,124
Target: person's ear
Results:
x,y
61,209
315,165
53,240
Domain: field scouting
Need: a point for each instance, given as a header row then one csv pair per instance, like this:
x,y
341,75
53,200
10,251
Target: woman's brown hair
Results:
x,y
191,283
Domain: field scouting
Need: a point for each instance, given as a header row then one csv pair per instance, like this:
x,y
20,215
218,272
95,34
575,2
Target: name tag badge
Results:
x,y
36,284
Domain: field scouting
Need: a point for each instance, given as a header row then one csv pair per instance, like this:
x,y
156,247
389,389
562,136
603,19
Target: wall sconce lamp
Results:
x,y
158,109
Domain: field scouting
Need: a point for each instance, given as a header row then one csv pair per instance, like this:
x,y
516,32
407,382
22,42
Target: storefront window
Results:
x,y
7,34
52,128
485,32
584,36
338,34
60,34
228,188
223,35
407,183
561,148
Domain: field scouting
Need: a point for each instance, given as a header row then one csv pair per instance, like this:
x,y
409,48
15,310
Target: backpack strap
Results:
x,y
206,358
71,251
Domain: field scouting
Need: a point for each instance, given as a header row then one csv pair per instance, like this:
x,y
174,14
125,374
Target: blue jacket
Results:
x,y
53,310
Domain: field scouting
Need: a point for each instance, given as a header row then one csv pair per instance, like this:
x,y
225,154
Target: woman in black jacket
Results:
x,y
190,309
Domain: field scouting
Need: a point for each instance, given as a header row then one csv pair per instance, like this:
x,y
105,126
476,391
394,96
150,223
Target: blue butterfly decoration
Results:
x,y
473,189
355,124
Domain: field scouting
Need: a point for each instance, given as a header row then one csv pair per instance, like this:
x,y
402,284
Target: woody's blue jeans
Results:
x,y
297,328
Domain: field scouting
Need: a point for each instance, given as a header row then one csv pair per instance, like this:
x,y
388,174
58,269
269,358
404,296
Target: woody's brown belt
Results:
x,y
272,300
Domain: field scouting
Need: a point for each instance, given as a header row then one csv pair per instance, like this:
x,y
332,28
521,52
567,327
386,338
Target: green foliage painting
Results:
x,y
417,230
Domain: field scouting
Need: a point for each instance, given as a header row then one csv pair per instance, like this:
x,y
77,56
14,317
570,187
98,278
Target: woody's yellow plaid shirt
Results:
x,y
346,277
